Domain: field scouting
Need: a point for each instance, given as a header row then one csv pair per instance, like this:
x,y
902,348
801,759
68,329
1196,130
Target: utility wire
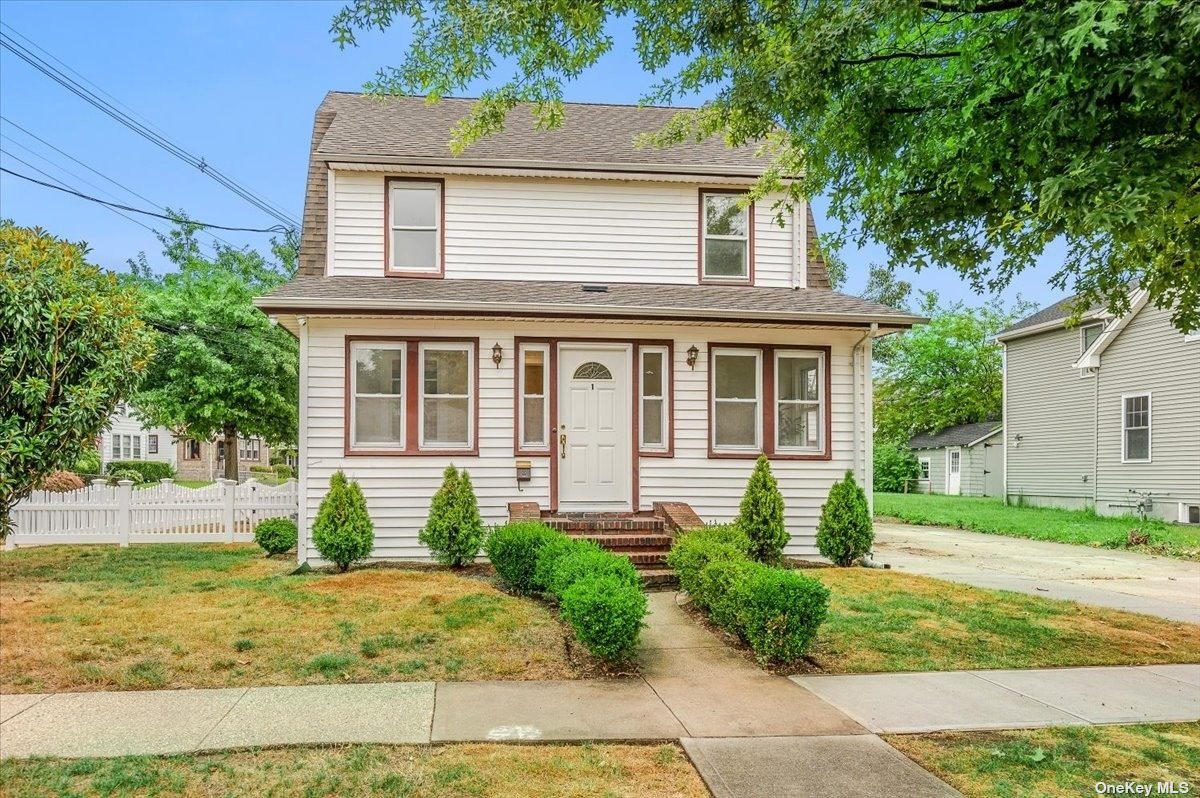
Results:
x,y
94,171
141,129
63,187
275,229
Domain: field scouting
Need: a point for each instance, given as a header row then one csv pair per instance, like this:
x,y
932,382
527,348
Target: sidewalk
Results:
x,y
1123,580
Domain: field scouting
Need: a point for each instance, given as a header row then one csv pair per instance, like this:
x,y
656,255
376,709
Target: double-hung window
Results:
x,y
126,447
654,390
414,231
446,390
737,400
377,395
1135,428
1088,335
799,383
152,444
116,447
924,461
532,404
725,240
137,446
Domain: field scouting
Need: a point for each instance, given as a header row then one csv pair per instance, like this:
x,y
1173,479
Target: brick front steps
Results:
x,y
644,537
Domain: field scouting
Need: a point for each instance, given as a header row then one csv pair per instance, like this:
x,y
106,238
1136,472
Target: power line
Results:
x,y
141,129
63,187
94,171
276,229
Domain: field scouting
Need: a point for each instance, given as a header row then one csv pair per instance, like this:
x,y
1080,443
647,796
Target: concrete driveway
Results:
x,y
1109,578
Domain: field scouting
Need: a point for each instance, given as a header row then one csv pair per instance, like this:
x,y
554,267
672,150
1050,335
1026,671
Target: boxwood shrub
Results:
x,y
513,550
276,535
554,549
148,470
587,559
776,611
606,612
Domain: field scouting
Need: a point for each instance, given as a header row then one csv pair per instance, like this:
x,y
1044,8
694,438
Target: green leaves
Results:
x,y
71,346
965,135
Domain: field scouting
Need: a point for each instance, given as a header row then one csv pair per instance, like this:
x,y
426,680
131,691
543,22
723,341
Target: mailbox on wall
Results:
x,y
524,471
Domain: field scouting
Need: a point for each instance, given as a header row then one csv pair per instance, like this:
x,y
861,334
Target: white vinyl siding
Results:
x,y
1135,428
654,390
398,489
553,229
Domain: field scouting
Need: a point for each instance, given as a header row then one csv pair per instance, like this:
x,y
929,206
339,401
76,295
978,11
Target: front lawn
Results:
x,y
885,621
1063,761
536,771
988,514
178,615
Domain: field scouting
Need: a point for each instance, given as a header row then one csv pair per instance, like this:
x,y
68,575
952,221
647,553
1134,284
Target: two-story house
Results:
x,y
582,324
1102,413
128,437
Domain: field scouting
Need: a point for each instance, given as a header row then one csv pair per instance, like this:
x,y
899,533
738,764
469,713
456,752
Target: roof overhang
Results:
x,y
983,438
295,305
519,165
1053,324
1091,358
626,175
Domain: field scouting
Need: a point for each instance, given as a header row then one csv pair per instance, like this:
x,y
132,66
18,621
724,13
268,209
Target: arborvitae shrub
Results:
x,y
276,535
513,550
342,531
454,531
845,532
761,514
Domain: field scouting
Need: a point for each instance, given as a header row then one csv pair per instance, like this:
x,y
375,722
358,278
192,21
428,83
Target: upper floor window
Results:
x,y
414,234
1088,336
1135,428
726,239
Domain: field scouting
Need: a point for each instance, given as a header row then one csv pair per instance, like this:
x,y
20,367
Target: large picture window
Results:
x,y
1135,428
532,399
414,219
799,383
446,390
377,395
737,399
725,241
411,396
654,390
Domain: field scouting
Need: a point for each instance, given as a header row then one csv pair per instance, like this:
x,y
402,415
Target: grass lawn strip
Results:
x,y
536,771
885,621
174,616
1084,527
1063,761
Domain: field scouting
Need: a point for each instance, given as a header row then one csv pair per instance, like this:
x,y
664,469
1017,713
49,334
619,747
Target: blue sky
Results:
x,y
235,83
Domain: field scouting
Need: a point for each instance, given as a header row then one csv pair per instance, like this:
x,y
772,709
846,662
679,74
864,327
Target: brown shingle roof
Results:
x,y
349,125
541,297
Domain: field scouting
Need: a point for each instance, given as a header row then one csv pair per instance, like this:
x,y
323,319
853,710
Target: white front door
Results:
x,y
953,472
593,438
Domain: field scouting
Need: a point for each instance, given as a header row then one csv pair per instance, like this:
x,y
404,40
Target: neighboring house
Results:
x,y
582,324
205,460
128,438
965,460
1100,412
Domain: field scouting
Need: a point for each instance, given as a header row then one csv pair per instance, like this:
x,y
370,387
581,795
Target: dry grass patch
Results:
x,y
541,771
1066,761
884,621
99,618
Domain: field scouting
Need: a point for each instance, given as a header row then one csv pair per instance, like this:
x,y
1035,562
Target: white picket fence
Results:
x,y
224,512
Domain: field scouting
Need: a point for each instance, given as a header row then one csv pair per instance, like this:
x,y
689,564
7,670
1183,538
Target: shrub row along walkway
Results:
x,y
749,733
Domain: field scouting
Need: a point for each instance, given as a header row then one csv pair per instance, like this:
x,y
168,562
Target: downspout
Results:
x,y
302,446
855,368
800,244
1096,439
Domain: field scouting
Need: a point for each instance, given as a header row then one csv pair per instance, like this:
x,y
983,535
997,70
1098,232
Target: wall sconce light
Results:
x,y
497,354
1017,441
692,354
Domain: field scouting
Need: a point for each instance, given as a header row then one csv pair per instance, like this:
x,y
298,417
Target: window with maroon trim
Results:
x,y
768,400
414,226
725,250
533,408
411,396
654,390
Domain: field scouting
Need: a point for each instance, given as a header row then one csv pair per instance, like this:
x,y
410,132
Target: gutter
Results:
x,y
1054,324
361,305
751,173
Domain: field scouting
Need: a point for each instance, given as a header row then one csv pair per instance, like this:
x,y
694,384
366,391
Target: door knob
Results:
x,y
562,442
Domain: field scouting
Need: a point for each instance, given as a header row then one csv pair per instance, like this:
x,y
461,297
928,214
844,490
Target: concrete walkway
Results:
x,y
1121,580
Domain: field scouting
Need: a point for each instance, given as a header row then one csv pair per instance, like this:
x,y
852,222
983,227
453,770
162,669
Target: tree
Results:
x,y
760,515
222,368
71,346
945,372
960,133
